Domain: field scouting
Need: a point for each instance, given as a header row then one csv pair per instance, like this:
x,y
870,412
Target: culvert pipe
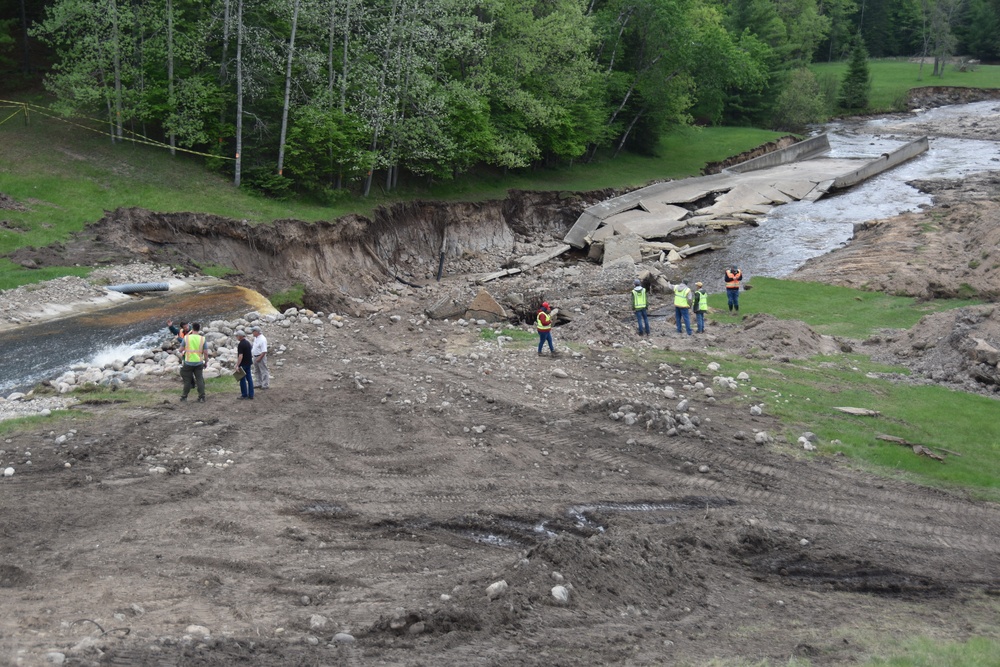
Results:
x,y
132,288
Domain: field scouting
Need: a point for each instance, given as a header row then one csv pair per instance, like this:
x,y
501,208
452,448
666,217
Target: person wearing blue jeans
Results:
x,y
543,323
733,278
700,307
640,306
244,360
682,306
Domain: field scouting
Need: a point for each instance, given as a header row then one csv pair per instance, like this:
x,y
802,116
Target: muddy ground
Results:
x,y
357,511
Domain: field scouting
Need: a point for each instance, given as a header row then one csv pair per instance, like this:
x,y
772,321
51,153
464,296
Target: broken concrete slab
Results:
x,y
820,190
663,210
617,247
655,227
601,234
503,273
530,261
485,307
446,308
625,217
795,189
747,188
772,195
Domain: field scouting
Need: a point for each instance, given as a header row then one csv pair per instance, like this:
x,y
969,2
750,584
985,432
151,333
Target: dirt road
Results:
x,y
359,510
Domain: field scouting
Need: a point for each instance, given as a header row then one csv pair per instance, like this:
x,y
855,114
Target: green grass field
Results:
x,y
892,78
833,310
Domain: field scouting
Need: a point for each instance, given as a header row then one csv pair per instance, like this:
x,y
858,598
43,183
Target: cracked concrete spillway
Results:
x,y
741,192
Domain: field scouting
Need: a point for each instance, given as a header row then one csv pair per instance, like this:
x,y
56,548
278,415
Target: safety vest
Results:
x,y
702,303
192,349
639,298
544,321
682,297
733,279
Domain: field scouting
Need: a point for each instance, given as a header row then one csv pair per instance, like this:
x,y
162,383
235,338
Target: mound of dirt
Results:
x,y
957,348
765,336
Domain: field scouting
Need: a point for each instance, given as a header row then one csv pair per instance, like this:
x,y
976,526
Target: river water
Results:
x,y
795,232
784,240
34,353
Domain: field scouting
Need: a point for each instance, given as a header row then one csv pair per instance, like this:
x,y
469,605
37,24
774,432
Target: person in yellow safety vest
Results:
x,y
733,278
543,323
700,307
640,306
193,362
682,306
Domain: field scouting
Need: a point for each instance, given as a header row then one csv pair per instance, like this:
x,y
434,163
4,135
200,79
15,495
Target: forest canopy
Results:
x,y
319,95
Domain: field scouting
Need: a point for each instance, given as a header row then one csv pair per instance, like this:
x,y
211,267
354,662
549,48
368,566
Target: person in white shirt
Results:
x,y
259,352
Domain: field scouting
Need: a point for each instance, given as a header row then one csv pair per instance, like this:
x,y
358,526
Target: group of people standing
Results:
x,y
685,301
251,359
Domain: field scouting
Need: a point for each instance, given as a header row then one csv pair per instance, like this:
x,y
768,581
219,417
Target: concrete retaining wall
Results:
x,y
799,151
886,161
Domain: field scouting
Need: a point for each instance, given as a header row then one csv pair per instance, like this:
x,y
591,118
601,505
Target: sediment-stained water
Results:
x,y
37,352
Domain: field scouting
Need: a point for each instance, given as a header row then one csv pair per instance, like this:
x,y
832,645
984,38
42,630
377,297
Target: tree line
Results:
x,y
322,95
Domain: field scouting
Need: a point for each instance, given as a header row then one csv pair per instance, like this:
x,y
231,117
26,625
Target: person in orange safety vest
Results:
x,y
733,278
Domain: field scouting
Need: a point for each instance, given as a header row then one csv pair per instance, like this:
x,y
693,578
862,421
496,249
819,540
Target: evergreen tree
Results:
x,y
857,83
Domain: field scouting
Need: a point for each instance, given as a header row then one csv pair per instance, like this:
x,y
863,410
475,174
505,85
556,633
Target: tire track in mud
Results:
x,y
855,502
848,500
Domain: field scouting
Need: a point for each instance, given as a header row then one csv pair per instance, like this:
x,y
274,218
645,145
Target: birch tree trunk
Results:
x,y
117,65
171,100
239,91
380,96
288,89
225,55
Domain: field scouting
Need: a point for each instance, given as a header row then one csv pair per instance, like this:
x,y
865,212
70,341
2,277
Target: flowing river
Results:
x,y
784,240
793,233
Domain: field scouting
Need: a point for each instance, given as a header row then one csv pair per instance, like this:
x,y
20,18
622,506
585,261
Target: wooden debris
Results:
x,y
535,260
919,450
497,274
525,263
862,412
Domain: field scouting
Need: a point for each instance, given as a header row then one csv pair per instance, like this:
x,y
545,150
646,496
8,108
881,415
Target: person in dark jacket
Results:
x,y
244,361
640,304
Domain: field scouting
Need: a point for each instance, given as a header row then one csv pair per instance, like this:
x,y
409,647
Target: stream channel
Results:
x,y
786,238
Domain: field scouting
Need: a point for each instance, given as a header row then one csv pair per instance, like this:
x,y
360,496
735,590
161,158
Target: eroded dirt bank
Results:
x,y
338,262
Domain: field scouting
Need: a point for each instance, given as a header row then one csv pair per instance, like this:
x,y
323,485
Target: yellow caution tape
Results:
x,y
134,136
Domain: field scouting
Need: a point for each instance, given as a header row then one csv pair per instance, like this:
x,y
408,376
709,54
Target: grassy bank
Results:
x,y
893,78
805,394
